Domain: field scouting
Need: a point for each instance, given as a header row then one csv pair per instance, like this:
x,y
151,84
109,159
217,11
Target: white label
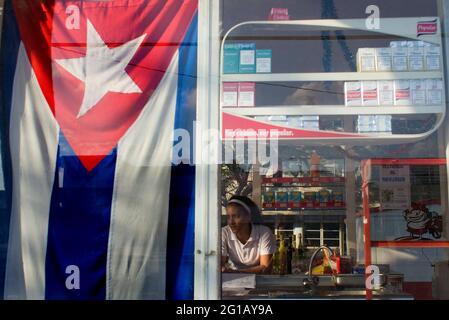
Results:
x,y
263,65
386,93
247,57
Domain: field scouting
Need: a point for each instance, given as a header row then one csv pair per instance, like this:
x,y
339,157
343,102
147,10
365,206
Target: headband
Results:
x,y
243,204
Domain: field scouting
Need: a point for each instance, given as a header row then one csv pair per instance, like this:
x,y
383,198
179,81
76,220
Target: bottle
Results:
x,y
315,165
276,262
282,258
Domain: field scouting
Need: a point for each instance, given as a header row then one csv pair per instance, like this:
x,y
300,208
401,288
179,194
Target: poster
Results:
x,y
394,187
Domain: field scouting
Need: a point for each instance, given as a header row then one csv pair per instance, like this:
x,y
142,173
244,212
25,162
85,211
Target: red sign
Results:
x,y
427,27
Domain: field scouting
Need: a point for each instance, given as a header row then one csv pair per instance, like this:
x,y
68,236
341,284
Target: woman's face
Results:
x,y
237,218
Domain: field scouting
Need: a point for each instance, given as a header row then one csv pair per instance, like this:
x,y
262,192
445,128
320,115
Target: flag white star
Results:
x,y
102,69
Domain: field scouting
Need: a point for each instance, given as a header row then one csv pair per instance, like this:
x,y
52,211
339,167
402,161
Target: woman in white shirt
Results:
x,y
245,247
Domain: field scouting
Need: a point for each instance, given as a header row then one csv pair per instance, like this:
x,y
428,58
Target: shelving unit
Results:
x,y
368,244
404,28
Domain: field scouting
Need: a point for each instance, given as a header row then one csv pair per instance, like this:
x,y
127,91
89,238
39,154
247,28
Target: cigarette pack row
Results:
x,y
244,58
397,92
374,123
400,56
298,199
300,122
238,94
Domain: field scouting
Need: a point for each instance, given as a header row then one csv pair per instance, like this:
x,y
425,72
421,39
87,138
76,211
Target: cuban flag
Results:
x,y
92,92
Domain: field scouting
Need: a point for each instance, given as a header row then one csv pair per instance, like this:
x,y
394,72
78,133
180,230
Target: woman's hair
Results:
x,y
246,204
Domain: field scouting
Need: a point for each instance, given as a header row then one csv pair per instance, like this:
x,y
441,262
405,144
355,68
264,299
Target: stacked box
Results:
x,y
383,59
247,58
366,60
230,93
268,200
415,51
374,123
399,54
263,61
309,200
369,93
353,93
418,92
402,93
294,199
281,200
231,58
280,120
338,198
304,122
324,197
432,54
246,94
434,91
386,92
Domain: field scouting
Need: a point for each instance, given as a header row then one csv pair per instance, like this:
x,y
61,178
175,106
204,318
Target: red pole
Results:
x,y
365,165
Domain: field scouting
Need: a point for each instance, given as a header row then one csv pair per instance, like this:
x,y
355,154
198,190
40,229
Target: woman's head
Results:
x,y
239,211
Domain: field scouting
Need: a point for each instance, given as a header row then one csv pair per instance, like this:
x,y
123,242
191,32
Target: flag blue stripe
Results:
x,y
78,228
9,53
181,222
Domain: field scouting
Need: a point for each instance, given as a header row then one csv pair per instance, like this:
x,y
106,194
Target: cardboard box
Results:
x,y
263,61
268,200
418,92
231,58
294,199
369,93
432,54
383,59
415,51
399,55
353,93
281,200
247,58
402,93
366,60
246,94
230,94
386,92
434,92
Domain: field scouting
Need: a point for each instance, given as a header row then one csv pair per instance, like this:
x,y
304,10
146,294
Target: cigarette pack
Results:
x,y
353,93
418,91
294,199
231,58
402,93
432,55
247,58
370,93
281,200
230,93
434,91
246,94
383,59
277,119
324,197
338,198
309,200
268,200
366,59
415,51
386,92
263,61
399,54
383,123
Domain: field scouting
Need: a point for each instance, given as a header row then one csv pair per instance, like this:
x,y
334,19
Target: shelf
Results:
x,y
305,180
330,76
300,110
410,244
305,212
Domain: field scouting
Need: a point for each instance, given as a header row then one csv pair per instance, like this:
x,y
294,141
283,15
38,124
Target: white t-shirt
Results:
x,y
242,256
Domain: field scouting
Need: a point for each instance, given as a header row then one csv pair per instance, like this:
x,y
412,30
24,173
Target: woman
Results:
x,y
245,247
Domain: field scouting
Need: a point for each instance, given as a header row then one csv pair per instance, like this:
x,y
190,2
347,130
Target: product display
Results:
x,y
281,200
402,93
263,60
399,55
383,59
415,53
434,91
246,94
386,92
374,123
294,199
353,93
369,93
268,200
230,94
366,59
418,92
432,56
